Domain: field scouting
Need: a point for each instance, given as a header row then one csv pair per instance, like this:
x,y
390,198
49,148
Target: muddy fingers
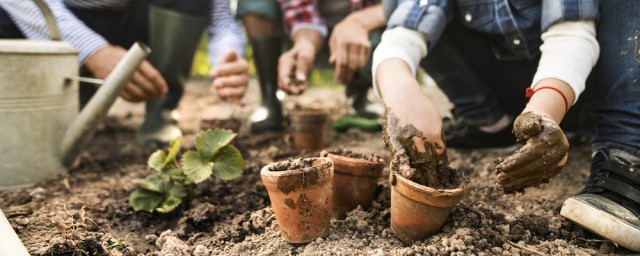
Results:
x,y
416,158
518,185
541,157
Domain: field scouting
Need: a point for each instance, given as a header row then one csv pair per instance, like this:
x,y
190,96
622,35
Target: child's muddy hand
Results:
x,y
541,157
415,157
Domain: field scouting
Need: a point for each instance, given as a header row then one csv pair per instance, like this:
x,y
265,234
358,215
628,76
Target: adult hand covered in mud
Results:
x,y
542,155
413,156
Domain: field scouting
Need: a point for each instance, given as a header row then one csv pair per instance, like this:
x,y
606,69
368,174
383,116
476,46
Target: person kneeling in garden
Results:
x,y
344,32
483,54
100,29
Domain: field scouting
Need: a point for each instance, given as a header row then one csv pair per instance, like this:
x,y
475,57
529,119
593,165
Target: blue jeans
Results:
x,y
618,77
484,87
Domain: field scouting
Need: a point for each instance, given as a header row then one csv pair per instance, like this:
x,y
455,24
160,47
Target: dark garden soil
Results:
x,y
87,212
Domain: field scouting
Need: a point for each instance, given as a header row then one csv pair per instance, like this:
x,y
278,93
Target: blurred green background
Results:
x,y
319,77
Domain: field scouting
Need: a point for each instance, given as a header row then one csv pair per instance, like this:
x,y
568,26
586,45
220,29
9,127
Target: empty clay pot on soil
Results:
x,y
355,179
300,194
309,127
417,211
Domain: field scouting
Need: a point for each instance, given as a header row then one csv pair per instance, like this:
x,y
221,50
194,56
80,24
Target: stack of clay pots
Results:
x,y
306,193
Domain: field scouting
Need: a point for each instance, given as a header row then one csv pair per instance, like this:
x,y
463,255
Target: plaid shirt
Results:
x,y
304,14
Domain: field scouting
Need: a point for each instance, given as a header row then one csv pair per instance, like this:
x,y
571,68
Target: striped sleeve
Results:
x,y
224,32
30,21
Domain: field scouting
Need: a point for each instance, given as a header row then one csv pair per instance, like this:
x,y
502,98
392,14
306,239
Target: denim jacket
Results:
x,y
514,25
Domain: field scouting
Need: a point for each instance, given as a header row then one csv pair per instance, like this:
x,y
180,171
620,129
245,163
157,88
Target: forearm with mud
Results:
x,y
419,157
549,102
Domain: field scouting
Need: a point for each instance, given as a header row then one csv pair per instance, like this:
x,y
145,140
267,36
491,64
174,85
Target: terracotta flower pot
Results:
x,y
300,194
355,179
309,128
417,211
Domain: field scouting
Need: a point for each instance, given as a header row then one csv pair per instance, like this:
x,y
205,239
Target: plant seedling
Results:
x,y
165,189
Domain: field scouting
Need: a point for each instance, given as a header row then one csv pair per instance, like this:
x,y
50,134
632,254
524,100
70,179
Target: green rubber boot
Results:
x,y
173,37
268,116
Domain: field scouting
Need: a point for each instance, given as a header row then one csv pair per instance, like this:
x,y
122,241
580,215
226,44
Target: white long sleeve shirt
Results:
x,y
569,52
224,32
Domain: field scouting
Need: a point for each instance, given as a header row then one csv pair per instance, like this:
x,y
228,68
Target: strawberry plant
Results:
x,y
169,185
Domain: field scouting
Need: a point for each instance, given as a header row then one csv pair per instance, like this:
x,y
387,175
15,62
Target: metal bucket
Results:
x,y
38,101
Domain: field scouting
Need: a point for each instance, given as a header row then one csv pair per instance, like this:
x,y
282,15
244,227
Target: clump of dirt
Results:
x,y
417,159
87,244
303,164
348,153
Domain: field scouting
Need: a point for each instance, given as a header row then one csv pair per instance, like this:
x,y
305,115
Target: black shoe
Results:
x,y
460,134
609,205
267,117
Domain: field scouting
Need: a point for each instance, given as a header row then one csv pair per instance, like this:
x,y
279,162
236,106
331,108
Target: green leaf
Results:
x,y
228,163
156,160
176,194
156,182
196,168
174,149
210,142
145,200
176,174
169,205
178,190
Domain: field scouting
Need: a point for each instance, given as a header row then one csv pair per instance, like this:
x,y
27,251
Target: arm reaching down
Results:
x,y
408,46
349,42
95,53
230,72
225,34
30,21
569,52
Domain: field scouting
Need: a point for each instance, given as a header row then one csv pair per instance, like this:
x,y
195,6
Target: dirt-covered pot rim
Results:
x,y
325,163
425,194
363,165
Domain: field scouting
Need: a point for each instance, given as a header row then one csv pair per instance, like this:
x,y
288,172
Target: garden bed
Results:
x,y
87,211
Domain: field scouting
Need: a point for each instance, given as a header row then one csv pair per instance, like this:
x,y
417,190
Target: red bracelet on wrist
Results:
x,y
529,93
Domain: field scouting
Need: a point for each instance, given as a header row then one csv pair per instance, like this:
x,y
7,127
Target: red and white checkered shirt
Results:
x,y
304,14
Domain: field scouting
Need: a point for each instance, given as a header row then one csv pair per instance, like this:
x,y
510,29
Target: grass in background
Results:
x,y
201,67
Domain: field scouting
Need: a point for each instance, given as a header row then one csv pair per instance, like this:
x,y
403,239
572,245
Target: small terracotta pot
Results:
x,y
417,211
355,179
309,128
300,194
